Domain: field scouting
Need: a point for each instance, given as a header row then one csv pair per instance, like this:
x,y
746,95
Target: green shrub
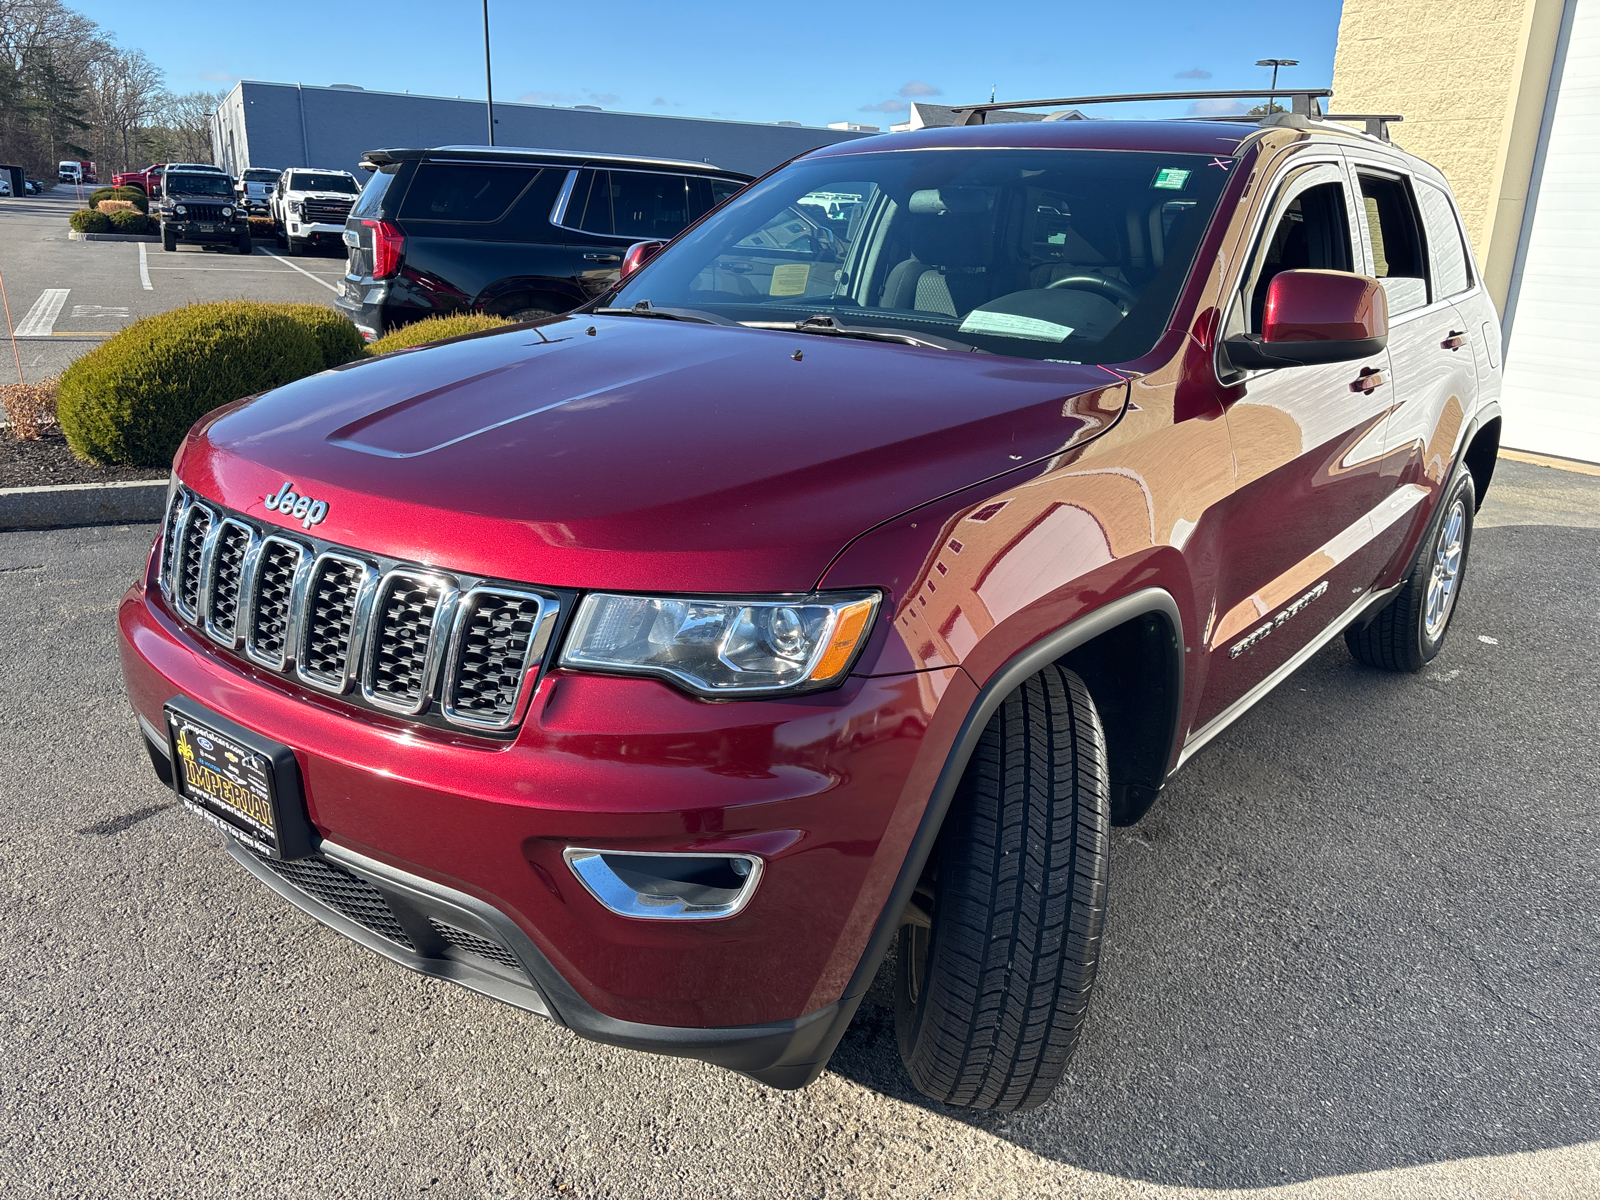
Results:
x,y
129,220
87,220
338,340
132,195
131,400
434,329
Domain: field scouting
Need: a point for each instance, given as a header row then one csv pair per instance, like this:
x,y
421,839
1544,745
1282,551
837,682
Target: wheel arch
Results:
x,y
510,295
1483,448
1153,615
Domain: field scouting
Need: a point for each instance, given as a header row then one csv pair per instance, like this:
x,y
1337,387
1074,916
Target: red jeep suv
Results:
x,y
831,584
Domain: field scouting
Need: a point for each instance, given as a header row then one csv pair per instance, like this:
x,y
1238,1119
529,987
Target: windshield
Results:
x,y
1069,255
198,185
261,175
308,181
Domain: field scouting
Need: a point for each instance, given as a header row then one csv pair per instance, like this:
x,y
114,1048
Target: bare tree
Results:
x,y
180,130
125,91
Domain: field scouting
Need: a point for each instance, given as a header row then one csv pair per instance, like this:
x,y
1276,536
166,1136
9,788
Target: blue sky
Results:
x,y
812,63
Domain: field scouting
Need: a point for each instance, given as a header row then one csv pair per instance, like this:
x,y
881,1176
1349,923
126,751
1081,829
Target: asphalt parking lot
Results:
x,y
109,285
1352,952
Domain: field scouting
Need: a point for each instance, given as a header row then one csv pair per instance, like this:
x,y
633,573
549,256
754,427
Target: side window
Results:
x,y
647,205
589,207
1447,251
705,194
371,202
1398,260
1309,228
464,192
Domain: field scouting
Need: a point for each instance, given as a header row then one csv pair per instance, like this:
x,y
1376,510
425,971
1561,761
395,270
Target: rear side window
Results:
x,y
371,203
1447,251
1398,259
629,204
464,192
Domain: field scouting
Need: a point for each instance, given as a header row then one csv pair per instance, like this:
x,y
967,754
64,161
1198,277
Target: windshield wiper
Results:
x,y
644,309
824,324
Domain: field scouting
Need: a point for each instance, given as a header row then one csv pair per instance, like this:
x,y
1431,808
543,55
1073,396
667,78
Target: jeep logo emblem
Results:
x,y
304,509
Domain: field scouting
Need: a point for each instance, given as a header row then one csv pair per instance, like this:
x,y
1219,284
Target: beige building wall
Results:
x,y
1470,78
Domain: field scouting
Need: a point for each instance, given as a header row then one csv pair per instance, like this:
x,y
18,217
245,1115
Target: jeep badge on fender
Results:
x,y
304,509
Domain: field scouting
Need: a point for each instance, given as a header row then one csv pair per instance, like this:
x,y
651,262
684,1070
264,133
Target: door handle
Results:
x,y
1456,340
1368,381
603,257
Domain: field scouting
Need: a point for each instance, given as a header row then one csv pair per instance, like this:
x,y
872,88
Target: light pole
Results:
x,y
1274,63
488,74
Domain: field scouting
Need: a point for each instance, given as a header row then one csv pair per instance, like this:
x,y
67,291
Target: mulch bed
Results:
x,y
49,461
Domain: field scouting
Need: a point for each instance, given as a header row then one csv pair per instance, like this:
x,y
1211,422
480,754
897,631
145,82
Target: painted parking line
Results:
x,y
41,318
144,269
302,270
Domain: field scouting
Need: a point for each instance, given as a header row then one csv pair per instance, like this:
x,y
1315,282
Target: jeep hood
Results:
x,y
638,454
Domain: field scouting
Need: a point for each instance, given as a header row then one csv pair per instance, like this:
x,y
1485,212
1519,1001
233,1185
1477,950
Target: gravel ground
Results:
x,y
1352,952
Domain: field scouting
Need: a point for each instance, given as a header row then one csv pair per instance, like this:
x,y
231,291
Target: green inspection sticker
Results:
x,y
1171,178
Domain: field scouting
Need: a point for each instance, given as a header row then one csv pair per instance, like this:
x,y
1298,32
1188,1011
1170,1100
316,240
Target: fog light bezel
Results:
x,y
611,892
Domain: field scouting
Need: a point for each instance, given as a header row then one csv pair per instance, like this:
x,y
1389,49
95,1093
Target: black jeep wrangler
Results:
x,y
201,208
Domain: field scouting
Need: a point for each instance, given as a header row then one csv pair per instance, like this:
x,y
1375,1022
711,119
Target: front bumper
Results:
x,y
309,230
220,233
827,789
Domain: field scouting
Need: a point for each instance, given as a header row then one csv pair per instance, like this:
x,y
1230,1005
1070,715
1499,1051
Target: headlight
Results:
x,y
294,206
180,210
227,210
723,647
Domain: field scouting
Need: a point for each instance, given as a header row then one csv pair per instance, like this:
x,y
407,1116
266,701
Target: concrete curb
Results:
x,y
53,507
74,235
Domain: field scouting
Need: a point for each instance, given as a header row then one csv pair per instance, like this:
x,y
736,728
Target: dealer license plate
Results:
x,y
208,229
241,782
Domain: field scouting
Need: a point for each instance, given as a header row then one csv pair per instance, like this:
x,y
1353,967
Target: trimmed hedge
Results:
x,y
131,400
88,220
434,329
129,220
337,340
133,196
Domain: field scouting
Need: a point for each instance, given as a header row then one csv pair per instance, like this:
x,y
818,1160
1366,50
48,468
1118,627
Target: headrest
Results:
x,y
938,201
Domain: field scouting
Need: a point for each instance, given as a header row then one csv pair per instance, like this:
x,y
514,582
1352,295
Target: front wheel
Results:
x,y
243,245
997,958
1409,631
169,240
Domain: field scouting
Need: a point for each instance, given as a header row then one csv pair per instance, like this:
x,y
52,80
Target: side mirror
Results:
x,y
638,254
1315,317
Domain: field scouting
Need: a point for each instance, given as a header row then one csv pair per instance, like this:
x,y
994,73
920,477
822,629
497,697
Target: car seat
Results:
x,y
952,250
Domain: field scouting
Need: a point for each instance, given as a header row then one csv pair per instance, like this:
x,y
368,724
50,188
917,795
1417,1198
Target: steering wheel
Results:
x,y
1119,293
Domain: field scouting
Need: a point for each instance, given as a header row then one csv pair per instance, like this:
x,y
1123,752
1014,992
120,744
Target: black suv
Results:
x,y
201,207
517,233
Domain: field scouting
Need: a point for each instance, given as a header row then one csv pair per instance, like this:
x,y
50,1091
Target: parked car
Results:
x,y
147,181
254,189
519,233
657,667
309,207
5,186
33,187
199,207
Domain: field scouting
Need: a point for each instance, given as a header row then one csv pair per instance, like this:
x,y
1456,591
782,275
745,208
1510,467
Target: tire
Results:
x,y
995,971
1409,631
169,241
281,238
294,245
243,245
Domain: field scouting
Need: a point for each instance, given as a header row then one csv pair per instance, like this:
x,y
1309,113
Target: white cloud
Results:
x,y
1193,73
1217,108
916,89
887,106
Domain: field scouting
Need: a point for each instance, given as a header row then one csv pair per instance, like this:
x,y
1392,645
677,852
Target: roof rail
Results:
x,y
1304,101
1377,124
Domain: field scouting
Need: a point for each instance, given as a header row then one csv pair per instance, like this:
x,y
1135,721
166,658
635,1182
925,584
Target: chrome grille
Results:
x,y
191,546
267,639
227,580
326,212
404,618
489,657
328,629
420,643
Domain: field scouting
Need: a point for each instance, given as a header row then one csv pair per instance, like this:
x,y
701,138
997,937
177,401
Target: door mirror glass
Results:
x,y
638,254
1315,317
